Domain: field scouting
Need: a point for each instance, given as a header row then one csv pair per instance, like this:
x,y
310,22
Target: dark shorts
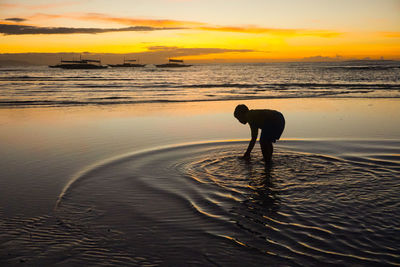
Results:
x,y
273,129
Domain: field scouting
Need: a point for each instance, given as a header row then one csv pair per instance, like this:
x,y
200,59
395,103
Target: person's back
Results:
x,y
271,123
261,117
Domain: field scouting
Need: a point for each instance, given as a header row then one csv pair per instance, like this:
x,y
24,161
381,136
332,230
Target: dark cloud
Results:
x,y
15,19
7,29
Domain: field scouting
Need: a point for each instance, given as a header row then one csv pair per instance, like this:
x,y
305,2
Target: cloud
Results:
x,y
15,19
318,33
41,16
146,24
39,6
140,21
10,29
207,27
390,34
181,51
272,31
7,5
248,29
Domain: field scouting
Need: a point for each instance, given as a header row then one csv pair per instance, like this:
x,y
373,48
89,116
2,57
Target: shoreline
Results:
x,y
165,102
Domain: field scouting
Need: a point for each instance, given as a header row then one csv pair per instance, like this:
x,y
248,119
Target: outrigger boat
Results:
x,y
126,64
173,63
79,64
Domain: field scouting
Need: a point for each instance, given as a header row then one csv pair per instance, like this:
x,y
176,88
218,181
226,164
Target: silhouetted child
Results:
x,y
271,123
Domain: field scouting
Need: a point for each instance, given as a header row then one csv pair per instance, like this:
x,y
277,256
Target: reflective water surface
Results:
x,y
43,86
203,202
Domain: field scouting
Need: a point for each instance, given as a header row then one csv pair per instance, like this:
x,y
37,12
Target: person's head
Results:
x,y
240,113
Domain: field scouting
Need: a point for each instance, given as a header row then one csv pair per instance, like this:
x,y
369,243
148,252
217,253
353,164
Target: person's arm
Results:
x,y
254,134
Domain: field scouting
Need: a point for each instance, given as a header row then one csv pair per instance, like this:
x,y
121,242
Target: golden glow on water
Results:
x,y
378,108
234,240
306,118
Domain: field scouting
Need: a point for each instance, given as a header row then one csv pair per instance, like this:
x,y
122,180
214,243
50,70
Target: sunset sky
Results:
x,y
234,30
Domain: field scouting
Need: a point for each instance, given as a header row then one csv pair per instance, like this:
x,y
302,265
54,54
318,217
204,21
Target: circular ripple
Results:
x,y
302,209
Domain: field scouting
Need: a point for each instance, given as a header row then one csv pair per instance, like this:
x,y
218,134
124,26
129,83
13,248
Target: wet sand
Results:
x,y
329,197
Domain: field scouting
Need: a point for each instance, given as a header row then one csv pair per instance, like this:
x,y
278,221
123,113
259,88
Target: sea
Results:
x,y
142,167
44,86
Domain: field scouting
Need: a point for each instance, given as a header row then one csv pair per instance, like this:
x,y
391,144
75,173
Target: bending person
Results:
x,y
271,123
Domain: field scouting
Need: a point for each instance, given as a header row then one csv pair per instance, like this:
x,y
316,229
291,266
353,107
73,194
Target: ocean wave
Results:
x,y
96,82
124,100
355,68
299,85
8,70
258,86
170,84
60,78
50,87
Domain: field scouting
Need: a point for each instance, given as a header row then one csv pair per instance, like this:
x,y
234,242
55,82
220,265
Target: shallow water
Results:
x,y
319,203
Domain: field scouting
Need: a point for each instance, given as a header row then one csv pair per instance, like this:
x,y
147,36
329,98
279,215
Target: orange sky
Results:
x,y
205,30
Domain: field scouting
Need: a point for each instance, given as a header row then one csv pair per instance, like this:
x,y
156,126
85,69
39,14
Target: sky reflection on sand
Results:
x,y
52,144
308,118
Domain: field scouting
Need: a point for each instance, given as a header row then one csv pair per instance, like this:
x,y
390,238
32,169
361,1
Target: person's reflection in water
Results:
x,y
264,195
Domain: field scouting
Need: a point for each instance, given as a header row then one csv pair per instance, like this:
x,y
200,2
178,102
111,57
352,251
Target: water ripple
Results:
x,y
305,208
202,201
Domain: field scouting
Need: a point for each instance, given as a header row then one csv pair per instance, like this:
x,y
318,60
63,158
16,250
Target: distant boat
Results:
x,y
79,64
173,63
126,64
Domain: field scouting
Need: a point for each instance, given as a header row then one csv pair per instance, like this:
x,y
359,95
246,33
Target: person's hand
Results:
x,y
246,156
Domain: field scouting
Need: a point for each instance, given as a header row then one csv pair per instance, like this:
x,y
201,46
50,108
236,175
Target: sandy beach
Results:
x,y
125,138
125,177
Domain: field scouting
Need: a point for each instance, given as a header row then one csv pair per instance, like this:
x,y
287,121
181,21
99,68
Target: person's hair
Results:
x,y
240,109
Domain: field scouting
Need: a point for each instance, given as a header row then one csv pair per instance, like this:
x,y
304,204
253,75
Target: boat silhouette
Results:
x,y
173,63
80,64
126,64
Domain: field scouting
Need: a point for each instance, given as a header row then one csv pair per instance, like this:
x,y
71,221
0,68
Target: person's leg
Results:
x,y
267,149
